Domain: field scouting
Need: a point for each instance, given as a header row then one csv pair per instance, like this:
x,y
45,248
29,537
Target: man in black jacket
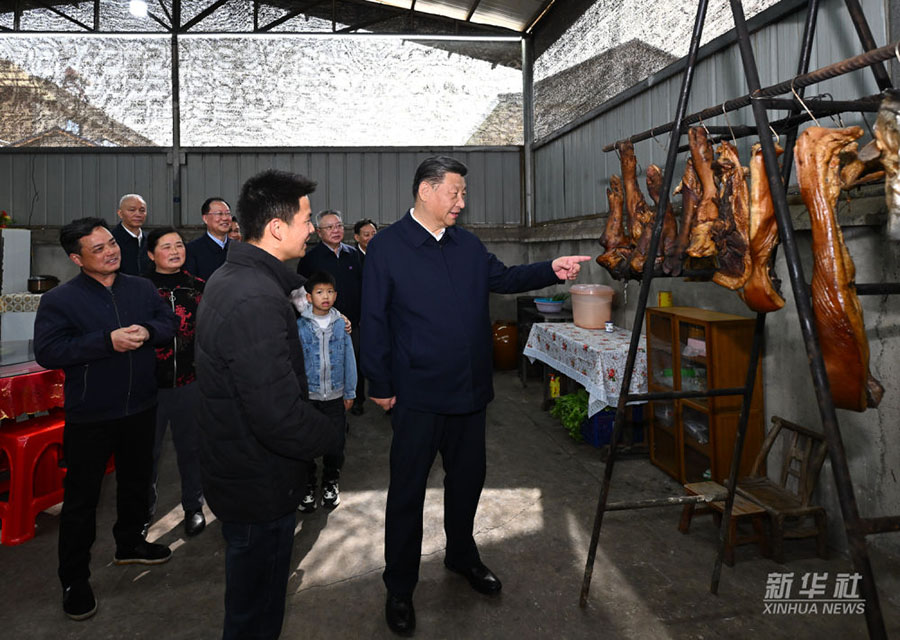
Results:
x,y
257,427
101,327
128,233
207,253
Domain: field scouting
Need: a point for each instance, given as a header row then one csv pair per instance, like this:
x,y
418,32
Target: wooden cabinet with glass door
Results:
x,y
695,349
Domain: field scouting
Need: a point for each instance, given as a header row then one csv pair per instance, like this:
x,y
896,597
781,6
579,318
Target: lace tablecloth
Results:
x,y
593,358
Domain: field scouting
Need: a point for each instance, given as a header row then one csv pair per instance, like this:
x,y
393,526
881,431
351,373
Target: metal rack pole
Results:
x,y
843,482
809,28
645,291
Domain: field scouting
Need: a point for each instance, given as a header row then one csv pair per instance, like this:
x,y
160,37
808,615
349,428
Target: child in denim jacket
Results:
x,y
331,375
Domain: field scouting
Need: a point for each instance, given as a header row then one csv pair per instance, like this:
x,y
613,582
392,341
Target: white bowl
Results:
x,y
547,305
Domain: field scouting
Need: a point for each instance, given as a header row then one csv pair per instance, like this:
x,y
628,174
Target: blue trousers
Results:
x,y
418,437
257,566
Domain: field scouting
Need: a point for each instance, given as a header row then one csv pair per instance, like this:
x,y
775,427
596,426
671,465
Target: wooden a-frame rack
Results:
x,y
761,99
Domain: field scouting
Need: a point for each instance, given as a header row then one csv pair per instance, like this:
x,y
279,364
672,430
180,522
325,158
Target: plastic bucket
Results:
x,y
591,305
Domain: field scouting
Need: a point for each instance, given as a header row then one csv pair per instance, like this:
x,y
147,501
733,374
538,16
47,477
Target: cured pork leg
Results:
x,y
637,210
689,188
614,238
887,139
760,292
669,238
707,224
838,314
734,217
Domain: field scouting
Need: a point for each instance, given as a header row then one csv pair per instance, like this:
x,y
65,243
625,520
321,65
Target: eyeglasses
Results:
x,y
221,214
331,227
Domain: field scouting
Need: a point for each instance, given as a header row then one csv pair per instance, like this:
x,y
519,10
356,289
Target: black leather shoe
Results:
x,y
480,577
400,615
194,522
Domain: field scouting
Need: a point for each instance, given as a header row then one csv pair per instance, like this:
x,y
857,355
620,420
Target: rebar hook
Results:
x,y
728,122
658,143
803,104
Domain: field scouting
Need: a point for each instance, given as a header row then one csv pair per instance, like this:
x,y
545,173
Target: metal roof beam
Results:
x,y
162,5
203,14
472,10
290,14
62,14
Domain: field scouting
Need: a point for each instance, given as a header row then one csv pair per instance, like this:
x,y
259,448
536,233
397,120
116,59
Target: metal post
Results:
x,y
528,124
867,40
843,482
177,218
759,332
645,291
809,31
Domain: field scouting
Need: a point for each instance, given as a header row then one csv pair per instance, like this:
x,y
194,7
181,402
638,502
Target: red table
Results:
x,y
29,388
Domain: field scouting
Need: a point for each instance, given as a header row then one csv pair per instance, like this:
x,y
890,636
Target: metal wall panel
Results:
x,y
57,187
50,188
570,176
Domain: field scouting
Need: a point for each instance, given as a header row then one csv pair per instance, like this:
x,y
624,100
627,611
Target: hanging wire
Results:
x,y
803,104
728,122
658,143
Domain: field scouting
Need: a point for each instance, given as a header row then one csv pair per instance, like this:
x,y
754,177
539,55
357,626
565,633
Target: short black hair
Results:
x,y
204,208
359,225
433,170
154,236
71,234
270,194
319,277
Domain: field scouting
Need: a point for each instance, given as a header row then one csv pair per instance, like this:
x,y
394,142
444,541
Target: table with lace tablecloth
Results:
x,y
593,358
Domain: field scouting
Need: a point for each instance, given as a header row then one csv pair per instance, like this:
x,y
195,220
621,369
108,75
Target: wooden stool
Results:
x,y
741,510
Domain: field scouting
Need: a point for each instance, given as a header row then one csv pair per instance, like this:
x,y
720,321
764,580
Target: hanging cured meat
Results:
x,y
838,314
707,226
689,188
636,209
669,238
615,239
887,139
760,292
734,217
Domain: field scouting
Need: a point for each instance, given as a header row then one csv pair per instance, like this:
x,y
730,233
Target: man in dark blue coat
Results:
x,y
426,350
207,253
130,236
102,327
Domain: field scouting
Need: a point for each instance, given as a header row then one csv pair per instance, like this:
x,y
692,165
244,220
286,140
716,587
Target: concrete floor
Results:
x,y
533,529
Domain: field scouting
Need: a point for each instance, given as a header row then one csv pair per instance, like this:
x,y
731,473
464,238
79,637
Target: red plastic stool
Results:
x,y
33,450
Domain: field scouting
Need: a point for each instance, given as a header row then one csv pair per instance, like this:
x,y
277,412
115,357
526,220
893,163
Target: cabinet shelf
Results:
x,y
718,358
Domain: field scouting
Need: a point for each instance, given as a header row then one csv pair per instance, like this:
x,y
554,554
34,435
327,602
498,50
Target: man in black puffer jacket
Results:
x,y
257,427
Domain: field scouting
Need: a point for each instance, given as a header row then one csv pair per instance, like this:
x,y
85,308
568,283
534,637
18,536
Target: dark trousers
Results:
x,y
177,407
86,449
334,459
360,380
418,437
257,565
